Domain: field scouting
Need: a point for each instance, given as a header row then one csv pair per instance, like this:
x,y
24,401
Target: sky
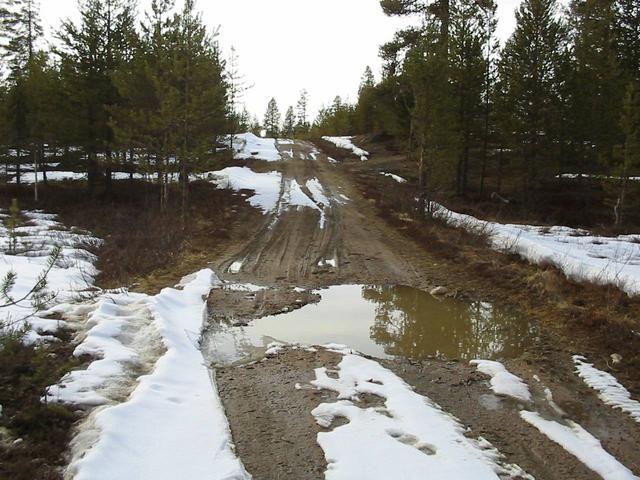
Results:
x,y
284,46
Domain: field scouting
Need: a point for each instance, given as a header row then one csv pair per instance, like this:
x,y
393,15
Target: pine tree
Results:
x,y
93,51
364,111
627,37
302,125
236,88
629,159
467,70
288,127
597,76
272,119
530,85
22,28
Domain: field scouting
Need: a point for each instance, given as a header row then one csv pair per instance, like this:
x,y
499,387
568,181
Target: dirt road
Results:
x,y
342,241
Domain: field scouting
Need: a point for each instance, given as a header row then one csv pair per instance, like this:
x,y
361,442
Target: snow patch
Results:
x,y
173,425
71,274
249,146
581,444
579,254
610,391
347,144
265,185
502,381
405,437
395,177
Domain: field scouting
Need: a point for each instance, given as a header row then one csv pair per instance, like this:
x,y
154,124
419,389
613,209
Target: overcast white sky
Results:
x,y
287,45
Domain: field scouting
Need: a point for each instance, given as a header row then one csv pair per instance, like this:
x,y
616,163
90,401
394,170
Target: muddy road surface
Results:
x,y
275,306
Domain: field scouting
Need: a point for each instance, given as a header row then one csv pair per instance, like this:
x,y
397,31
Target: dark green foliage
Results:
x,y
25,373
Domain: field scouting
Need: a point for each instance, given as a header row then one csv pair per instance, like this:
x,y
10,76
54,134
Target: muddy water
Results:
x,y
382,321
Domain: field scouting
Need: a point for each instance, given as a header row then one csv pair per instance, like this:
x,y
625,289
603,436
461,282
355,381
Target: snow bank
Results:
x,y
173,425
112,316
502,381
347,144
265,185
247,146
610,391
395,177
410,437
581,444
72,273
580,255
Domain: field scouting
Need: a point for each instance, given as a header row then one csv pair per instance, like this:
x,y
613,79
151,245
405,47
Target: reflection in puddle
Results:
x,y
382,321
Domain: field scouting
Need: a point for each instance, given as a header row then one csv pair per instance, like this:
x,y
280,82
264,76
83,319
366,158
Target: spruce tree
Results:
x,y
289,124
272,119
302,125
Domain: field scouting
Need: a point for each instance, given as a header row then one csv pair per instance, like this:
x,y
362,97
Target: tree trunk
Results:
x,y
18,154
34,153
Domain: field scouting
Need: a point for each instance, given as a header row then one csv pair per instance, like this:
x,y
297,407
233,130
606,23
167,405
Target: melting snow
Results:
x,y
173,425
581,444
247,146
502,381
610,391
395,177
236,266
72,273
347,144
580,255
409,437
266,185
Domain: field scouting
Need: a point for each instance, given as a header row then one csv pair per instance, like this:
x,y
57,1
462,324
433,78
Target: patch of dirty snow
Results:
x,y
249,146
265,185
332,160
236,266
347,144
394,177
317,192
502,381
579,254
408,436
113,317
173,425
610,391
581,444
244,287
294,196
332,262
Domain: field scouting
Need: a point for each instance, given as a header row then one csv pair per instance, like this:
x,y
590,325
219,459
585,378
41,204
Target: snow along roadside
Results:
x,y
571,436
610,391
577,253
173,425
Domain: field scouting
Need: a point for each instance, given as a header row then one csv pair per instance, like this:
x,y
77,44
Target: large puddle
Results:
x,y
382,321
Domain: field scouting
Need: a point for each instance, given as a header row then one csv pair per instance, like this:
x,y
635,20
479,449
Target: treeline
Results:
x,y
113,92
561,96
